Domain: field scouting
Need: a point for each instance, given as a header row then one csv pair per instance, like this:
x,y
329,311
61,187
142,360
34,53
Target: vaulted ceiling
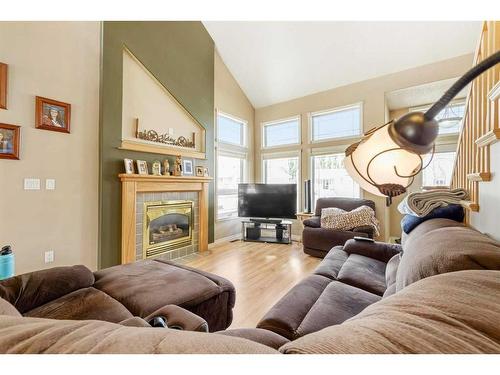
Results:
x,y
278,61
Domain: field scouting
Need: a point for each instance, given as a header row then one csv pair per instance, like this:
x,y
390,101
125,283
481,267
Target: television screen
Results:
x,y
267,201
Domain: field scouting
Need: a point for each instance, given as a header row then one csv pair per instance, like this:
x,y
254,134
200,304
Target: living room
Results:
x,y
270,186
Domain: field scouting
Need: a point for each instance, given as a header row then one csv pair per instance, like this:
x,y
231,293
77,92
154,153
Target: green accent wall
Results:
x,y
181,56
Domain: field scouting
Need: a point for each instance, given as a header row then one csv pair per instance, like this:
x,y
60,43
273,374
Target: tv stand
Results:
x,y
266,230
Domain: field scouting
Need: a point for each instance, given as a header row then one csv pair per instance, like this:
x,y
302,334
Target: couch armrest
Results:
x,y
377,250
34,289
262,336
179,318
312,222
135,322
366,229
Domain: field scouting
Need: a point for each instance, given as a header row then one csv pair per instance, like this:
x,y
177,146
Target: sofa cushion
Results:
x,y
262,336
365,273
83,304
332,263
7,308
35,335
391,271
34,289
325,239
450,313
441,250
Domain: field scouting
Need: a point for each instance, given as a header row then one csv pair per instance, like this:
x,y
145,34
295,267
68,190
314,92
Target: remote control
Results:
x,y
366,239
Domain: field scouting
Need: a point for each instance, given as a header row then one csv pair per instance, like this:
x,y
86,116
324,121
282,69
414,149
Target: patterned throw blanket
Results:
x,y
423,203
336,218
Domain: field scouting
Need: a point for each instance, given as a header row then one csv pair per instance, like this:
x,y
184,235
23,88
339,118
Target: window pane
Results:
x,y
229,175
337,124
229,130
331,179
438,173
283,133
281,171
450,118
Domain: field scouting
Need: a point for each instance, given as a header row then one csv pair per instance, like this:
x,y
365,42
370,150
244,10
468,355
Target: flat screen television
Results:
x,y
267,201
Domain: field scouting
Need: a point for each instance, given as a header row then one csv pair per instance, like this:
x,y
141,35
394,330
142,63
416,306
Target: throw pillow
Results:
x,y
336,218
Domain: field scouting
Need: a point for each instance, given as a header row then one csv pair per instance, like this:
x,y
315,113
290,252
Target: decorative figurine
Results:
x,y
156,168
178,166
166,167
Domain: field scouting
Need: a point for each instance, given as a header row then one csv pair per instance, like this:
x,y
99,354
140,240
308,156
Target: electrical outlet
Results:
x,y
50,184
49,256
31,184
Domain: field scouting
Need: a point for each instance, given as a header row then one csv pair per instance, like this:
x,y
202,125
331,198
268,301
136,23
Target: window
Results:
x,y
281,170
330,179
438,173
338,123
449,118
230,130
229,175
281,133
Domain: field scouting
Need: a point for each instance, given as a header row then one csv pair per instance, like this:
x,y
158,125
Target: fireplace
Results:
x,y
167,225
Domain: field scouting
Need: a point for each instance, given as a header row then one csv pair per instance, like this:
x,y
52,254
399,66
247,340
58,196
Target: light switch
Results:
x,y
50,184
31,184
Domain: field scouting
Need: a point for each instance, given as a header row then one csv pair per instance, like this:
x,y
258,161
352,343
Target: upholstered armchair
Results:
x,y
318,241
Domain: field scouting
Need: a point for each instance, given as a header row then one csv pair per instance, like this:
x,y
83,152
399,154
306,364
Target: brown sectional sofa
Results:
x,y
438,293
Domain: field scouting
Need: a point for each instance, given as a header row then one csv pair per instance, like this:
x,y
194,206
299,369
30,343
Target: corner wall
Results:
x,y
57,60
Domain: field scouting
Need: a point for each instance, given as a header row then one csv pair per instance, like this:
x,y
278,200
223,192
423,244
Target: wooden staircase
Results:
x,y
481,123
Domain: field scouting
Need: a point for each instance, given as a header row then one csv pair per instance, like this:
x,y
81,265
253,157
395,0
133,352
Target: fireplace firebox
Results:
x,y
167,225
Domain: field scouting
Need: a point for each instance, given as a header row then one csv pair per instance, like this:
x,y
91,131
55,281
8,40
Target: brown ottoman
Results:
x,y
145,286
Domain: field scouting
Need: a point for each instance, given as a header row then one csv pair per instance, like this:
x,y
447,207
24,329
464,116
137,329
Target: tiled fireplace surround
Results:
x,y
166,196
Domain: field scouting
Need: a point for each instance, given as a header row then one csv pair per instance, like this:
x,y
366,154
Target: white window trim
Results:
x,y
244,145
274,122
310,116
424,108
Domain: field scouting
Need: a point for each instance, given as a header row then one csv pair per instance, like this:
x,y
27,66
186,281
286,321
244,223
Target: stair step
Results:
x,y
480,176
473,206
489,138
494,93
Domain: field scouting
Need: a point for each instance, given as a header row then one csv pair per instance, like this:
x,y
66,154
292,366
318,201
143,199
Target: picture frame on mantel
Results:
x,y
3,85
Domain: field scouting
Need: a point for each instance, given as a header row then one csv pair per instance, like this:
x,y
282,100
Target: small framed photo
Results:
x,y
205,172
187,167
9,141
3,86
199,171
129,166
52,115
142,167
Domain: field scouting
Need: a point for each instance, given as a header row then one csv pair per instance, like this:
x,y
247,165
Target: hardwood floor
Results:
x,y
261,273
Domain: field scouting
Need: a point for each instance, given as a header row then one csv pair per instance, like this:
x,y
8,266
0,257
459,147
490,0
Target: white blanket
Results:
x,y
423,203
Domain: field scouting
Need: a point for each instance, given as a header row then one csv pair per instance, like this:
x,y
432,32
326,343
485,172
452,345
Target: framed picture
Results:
x,y
3,86
52,115
9,141
199,171
187,167
129,166
142,167
205,172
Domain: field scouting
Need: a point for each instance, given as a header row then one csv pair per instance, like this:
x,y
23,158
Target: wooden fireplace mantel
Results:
x,y
135,183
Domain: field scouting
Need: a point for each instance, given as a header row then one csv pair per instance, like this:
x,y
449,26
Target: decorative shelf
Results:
x,y
151,148
480,176
472,206
489,138
151,177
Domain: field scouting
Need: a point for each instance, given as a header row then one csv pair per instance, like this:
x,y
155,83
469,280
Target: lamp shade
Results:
x,y
377,163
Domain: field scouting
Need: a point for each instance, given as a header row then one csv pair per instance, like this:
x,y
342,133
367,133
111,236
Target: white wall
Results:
x,y
57,60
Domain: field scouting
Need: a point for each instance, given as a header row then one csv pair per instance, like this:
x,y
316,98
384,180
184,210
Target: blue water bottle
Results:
x,y
6,262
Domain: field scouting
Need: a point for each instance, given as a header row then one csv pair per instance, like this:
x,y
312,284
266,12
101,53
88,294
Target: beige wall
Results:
x,y
372,94
486,220
230,99
58,61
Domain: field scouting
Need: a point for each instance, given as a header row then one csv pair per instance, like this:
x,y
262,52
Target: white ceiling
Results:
x,y
278,61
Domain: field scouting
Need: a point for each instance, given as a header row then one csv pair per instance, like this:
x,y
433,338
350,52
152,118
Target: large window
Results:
x,y
230,130
281,170
449,118
439,171
330,179
281,133
229,174
338,123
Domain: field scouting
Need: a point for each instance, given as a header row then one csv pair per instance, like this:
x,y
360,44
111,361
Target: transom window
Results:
x,y
439,171
230,130
330,179
281,133
450,118
337,123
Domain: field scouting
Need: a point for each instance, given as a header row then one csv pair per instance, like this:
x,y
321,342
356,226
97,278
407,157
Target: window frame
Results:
x,y
298,118
441,148
424,108
244,133
333,110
